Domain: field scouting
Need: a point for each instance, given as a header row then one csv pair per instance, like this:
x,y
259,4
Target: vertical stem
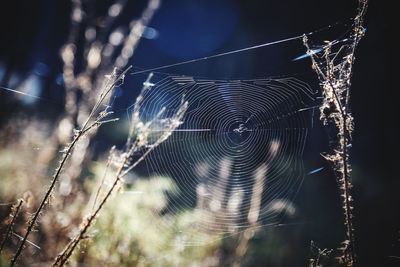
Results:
x,y
335,75
346,188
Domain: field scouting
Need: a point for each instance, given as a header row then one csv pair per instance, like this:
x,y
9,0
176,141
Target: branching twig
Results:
x,y
85,61
139,131
114,78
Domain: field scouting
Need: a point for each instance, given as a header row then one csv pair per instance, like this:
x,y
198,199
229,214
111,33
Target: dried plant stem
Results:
x,y
63,257
67,151
45,199
140,130
122,170
346,184
334,70
14,214
84,80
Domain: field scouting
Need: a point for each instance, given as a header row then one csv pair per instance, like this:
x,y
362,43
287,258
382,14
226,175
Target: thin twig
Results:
x,y
68,150
14,215
124,165
67,252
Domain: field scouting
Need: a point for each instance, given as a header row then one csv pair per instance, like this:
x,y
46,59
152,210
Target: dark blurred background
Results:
x,y
32,33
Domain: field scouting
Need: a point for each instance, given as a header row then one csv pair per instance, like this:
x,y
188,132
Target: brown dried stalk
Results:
x,y
14,214
139,131
87,126
334,70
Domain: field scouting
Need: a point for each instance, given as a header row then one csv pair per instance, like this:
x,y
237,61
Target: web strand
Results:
x,y
285,40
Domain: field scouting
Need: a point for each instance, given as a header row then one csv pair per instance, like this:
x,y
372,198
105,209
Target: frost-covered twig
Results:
x,y
139,132
112,80
334,70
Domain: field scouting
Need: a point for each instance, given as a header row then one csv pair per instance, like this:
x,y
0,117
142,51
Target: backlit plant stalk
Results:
x,y
89,124
139,132
334,69
104,45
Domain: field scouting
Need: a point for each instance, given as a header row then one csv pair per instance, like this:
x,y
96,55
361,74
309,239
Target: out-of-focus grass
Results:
x,y
131,231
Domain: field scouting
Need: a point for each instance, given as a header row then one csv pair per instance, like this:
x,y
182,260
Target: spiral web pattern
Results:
x,y
237,158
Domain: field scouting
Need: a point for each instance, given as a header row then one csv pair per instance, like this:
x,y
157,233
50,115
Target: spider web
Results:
x,y
237,158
